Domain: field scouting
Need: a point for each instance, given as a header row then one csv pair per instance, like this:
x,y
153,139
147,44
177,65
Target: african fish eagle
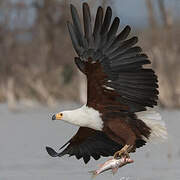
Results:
x,y
116,118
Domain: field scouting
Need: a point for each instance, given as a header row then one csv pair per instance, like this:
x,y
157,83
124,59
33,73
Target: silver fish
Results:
x,y
113,164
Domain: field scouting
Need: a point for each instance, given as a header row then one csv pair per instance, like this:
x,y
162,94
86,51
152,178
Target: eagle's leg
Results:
x,y
124,152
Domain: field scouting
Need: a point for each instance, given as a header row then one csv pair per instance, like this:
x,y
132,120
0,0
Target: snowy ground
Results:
x,y
24,135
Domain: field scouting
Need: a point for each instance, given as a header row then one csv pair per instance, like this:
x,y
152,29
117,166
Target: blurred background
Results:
x,y
36,61
38,76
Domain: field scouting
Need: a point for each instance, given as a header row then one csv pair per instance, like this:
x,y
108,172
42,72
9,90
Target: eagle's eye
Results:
x,y
58,116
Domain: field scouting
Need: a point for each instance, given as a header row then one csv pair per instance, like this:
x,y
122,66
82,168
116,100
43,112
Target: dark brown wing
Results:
x,y
113,64
87,143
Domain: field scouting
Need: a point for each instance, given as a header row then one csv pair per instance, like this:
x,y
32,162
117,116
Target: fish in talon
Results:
x,y
112,164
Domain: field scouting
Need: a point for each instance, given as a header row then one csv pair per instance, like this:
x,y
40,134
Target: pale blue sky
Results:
x,y
134,11
131,12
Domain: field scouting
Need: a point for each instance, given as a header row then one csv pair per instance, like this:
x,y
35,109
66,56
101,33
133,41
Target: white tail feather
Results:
x,y
153,120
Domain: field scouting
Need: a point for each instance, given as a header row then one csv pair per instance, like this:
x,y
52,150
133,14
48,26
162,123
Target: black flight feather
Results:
x,y
123,34
118,55
87,25
74,39
96,146
77,26
107,21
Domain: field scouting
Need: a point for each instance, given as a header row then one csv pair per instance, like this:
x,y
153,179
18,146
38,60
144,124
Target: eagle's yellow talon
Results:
x,y
124,152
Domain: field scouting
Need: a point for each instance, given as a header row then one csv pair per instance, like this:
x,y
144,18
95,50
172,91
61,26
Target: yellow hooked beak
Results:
x,y
57,116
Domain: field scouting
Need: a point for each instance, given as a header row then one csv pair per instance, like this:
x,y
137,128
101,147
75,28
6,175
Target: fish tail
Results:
x,y
93,173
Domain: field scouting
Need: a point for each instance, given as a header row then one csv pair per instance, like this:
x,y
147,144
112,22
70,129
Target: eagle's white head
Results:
x,y
84,116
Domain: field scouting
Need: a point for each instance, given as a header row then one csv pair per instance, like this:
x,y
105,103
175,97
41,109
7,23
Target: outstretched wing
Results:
x,y
87,143
112,63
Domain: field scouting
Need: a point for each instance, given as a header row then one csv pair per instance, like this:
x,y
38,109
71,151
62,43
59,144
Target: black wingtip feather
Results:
x,y
124,33
87,24
86,159
114,27
73,36
107,20
98,21
51,152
